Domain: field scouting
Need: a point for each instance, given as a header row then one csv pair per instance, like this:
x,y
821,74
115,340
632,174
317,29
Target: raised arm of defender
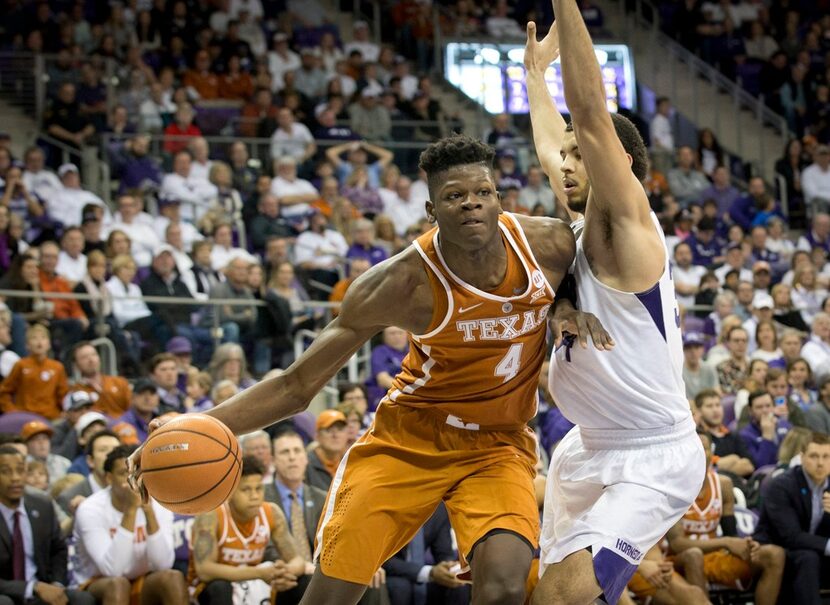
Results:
x,y
621,240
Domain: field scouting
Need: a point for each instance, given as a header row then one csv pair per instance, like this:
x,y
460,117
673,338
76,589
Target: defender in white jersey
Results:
x,y
633,464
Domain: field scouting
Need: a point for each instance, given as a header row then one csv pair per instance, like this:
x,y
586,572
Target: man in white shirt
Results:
x,y
500,25
193,192
400,208
36,177
170,212
71,259
201,162
144,238
686,182
819,234
291,138
281,60
294,194
734,261
815,180
662,136
817,349
67,204
686,276
360,42
320,251
120,541
537,192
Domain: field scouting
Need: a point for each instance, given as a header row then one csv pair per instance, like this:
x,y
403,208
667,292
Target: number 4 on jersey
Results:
x,y
510,363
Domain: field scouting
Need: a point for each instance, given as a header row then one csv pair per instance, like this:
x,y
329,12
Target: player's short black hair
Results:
x,y
119,453
631,141
455,150
252,466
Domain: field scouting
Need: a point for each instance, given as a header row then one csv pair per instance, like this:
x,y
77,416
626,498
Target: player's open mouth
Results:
x,y
472,222
570,186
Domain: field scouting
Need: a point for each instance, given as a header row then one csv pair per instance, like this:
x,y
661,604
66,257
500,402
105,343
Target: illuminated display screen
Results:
x,y
494,75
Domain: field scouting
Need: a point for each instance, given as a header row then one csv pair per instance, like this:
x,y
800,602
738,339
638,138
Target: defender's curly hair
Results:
x,y
631,141
456,150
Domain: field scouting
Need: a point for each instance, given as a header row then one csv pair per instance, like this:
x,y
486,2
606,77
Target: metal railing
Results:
x,y
356,367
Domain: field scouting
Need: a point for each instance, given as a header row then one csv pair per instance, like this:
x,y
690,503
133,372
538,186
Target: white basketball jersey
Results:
x,y
638,384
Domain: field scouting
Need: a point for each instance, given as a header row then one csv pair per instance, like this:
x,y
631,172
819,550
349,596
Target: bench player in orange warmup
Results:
x,y
474,294
728,560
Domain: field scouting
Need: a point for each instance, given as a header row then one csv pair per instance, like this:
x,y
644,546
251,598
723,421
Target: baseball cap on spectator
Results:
x,y
179,345
77,400
683,215
89,214
369,93
693,339
361,25
823,150
328,418
87,420
707,223
35,427
761,265
763,301
168,201
280,37
733,246
126,433
144,384
64,169
161,249
506,152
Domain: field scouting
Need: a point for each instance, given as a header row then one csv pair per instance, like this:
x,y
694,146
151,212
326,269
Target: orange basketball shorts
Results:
x,y
722,567
642,588
392,479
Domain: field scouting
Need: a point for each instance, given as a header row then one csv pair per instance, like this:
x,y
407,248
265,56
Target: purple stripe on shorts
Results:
x,y
613,573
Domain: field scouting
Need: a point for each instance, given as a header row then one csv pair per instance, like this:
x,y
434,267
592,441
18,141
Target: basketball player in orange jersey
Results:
x,y
729,560
474,294
656,582
229,544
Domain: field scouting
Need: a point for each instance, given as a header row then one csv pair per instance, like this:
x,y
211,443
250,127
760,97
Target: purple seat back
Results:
x,y
12,422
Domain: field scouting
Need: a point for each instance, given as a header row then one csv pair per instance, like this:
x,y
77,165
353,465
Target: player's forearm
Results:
x,y
208,571
581,77
548,129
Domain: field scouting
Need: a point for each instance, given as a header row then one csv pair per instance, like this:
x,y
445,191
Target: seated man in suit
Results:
x,y
32,550
293,495
229,547
411,581
99,446
795,514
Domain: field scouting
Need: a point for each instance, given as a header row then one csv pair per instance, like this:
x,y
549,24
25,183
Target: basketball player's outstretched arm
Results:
x,y
621,240
548,123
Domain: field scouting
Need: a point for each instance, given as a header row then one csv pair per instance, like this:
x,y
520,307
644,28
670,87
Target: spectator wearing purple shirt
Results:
x,y
143,409
721,191
133,166
744,209
386,363
765,432
363,234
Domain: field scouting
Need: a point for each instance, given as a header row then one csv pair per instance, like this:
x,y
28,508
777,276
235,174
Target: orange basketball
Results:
x,y
192,464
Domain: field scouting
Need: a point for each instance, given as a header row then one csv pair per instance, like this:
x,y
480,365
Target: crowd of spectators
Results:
x,y
777,49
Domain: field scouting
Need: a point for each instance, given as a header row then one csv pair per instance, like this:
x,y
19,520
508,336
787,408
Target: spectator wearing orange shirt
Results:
x,y
235,84
259,118
111,394
357,267
178,133
36,384
68,317
200,81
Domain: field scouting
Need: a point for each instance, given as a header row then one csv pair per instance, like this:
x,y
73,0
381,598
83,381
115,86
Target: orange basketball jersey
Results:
x,y
480,358
239,544
702,519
